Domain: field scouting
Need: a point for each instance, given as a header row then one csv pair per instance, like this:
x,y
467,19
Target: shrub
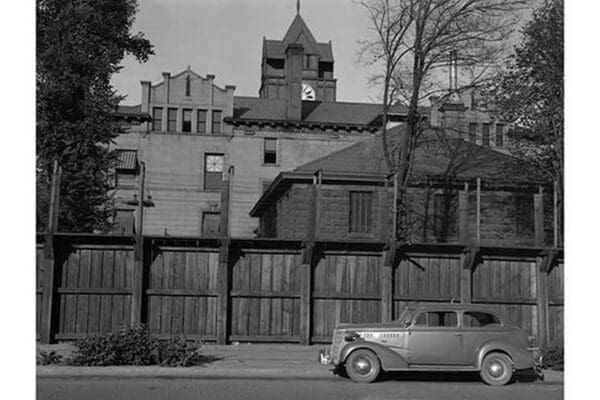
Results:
x,y
137,346
52,357
553,357
128,346
177,352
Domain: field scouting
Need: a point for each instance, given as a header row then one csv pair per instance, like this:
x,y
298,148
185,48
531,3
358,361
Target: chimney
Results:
x,y
452,111
293,64
167,81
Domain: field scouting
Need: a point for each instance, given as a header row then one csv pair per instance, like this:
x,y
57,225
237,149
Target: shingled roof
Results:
x,y
313,112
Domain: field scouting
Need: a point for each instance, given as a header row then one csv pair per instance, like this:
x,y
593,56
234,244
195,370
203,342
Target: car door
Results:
x,y
478,327
435,339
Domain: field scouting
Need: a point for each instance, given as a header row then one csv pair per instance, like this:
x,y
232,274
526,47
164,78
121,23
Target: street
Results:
x,y
412,386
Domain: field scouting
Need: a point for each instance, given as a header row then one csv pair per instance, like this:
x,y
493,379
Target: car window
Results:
x,y
478,319
437,319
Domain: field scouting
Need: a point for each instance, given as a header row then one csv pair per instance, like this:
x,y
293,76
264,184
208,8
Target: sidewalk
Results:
x,y
242,361
255,360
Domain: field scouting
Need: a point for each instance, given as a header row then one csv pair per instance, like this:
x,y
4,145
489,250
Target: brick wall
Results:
x,y
499,215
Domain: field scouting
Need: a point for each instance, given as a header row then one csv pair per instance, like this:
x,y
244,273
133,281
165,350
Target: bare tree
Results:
x,y
412,42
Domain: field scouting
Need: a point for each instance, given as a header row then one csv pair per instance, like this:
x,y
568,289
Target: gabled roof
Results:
x,y
313,112
298,32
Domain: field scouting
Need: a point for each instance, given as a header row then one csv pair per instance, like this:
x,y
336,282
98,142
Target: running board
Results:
x,y
449,368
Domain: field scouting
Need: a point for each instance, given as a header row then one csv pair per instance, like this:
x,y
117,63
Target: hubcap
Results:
x,y
496,369
362,366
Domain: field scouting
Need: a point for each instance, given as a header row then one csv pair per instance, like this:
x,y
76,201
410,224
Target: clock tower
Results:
x,y
315,64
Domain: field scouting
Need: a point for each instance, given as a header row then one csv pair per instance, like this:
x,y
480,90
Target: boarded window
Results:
x,y
186,122
210,223
485,135
444,212
157,118
201,124
123,222
216,121
500,135
172,120
213,171
270,151
472,132
524,215
361,210
125,179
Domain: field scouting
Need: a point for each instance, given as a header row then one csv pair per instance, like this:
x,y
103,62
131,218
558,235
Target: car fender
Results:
x,y
389,359
521,357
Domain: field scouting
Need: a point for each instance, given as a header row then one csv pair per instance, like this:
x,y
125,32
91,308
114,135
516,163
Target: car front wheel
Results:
x,y
362,366
497,369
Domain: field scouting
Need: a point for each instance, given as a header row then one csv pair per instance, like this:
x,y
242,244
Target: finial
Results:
x,y
189,68
297,6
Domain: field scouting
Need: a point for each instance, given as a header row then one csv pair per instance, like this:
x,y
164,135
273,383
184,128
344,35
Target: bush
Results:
x,y
52,357
553,357
137,346
177,352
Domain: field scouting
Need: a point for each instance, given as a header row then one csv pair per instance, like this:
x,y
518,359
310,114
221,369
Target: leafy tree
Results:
x,y
412,43
530,94
80,44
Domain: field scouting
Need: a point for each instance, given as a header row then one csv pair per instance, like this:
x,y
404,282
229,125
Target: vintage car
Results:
x,y
434,337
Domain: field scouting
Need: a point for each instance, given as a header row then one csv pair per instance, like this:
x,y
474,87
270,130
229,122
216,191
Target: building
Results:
x,y
356,195
191,134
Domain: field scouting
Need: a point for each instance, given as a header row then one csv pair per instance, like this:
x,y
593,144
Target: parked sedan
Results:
x,y
427,337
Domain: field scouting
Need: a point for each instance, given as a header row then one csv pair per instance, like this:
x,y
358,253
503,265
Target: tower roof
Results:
x,y
298,32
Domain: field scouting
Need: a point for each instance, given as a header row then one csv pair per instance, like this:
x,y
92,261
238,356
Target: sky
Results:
x,y
224,38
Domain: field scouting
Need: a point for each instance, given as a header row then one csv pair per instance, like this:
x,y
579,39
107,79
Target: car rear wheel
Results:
x,y
362,366
497,369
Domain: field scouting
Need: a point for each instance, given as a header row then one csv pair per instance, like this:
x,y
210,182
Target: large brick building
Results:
x,y
191,131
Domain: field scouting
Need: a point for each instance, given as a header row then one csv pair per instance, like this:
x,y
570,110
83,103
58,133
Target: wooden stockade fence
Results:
x,y
271,291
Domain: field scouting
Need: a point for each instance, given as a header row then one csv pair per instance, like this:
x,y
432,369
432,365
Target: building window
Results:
x,y
499,135
361,210
216,121
172,120
201,128
524,215
213,171
188,91
270,151
485,135
157,118
210,223
125,168
186,121
124,179
473,132
444,214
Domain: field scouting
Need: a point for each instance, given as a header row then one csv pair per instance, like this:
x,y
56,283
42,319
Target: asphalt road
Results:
x,y
390,387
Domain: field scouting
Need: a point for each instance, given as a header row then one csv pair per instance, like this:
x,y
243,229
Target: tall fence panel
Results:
x,y
508,285
265,296
95,290
181,292
263,285
426,278
346,288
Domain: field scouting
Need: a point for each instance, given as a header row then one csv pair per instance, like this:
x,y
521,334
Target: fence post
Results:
x,y
223,281
49,285
387,282
137,293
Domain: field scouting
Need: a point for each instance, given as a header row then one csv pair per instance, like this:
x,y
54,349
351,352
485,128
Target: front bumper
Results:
x,y
538,362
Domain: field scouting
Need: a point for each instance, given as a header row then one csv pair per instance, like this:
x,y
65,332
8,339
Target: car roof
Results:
x,y
452,306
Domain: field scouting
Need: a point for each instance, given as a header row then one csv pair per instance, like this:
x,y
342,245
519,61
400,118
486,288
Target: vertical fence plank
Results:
x,y
542,302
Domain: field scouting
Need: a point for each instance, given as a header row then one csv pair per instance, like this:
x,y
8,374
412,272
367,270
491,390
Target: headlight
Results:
x,y
350,336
